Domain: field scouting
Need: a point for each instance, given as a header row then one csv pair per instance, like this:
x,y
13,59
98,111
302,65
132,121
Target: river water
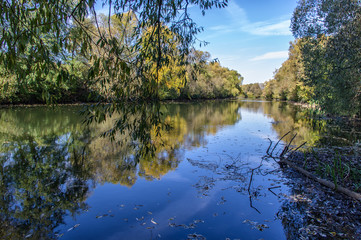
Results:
x,y
61,180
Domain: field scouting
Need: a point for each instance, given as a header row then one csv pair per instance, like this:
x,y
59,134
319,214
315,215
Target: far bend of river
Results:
x,y
60,180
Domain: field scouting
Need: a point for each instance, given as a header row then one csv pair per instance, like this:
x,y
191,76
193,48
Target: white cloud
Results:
x,y
271,55
241,23
270,28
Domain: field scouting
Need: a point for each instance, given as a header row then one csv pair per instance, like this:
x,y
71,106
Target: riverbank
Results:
x,y
314,211
181,100
320,212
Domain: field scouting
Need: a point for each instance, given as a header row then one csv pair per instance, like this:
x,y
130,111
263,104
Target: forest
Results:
x,y
131,165
78,61
70,54
324,62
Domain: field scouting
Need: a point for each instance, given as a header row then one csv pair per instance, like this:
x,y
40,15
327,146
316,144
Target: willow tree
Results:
x,y
332,52
39,37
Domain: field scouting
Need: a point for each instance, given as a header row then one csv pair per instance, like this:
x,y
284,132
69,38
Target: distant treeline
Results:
x,y
324,62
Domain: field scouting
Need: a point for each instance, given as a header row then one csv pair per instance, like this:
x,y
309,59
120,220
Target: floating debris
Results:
x,y
29,235
195,236
59,235
72,228
255,225
223,200
198,221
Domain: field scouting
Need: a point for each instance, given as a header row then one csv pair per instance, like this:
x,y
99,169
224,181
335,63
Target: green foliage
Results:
x,y
331,50
39,38
63,51
288,82
208,79
253,90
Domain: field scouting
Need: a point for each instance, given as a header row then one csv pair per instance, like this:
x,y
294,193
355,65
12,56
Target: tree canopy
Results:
x,y
331,52
41,39
325,59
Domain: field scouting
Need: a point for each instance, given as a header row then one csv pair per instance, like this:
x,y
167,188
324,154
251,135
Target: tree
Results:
x,y
123,71
208,79
26,27
289,79
252,90
331,52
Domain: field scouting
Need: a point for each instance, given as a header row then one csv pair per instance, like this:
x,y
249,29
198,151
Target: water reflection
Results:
x,y
50,162
40,183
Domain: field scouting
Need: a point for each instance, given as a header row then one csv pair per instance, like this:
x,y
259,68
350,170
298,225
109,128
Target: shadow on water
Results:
x,y
51,162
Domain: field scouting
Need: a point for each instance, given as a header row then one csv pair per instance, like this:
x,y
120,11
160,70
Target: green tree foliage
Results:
x,y
288,81
61,52
39,38
252,90
51,50
331,52
208,79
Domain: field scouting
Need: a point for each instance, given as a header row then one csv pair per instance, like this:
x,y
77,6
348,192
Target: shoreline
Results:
x,y
89,103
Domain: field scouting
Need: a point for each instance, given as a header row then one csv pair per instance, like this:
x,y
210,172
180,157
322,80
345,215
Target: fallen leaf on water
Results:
x,y
198,221
255,225
196,236
59,235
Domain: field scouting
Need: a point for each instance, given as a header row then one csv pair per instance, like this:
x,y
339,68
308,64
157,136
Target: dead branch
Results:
x,y
324,182
279,141
285,150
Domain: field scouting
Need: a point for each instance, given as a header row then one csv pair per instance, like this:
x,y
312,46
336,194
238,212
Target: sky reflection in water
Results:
x,y
61,180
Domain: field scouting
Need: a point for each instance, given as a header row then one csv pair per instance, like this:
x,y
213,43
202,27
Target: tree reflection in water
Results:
x,y
50,161
39,185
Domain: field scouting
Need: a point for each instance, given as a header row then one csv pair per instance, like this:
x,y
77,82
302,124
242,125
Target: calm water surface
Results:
x,y
59,179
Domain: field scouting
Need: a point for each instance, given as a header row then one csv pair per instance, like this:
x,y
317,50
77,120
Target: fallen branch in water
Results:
x,y
324,182
282,161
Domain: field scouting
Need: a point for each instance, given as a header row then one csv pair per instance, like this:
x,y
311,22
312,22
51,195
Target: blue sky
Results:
x,y
251,37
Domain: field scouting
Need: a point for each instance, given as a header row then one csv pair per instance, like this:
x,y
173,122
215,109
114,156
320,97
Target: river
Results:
x,y
60,179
